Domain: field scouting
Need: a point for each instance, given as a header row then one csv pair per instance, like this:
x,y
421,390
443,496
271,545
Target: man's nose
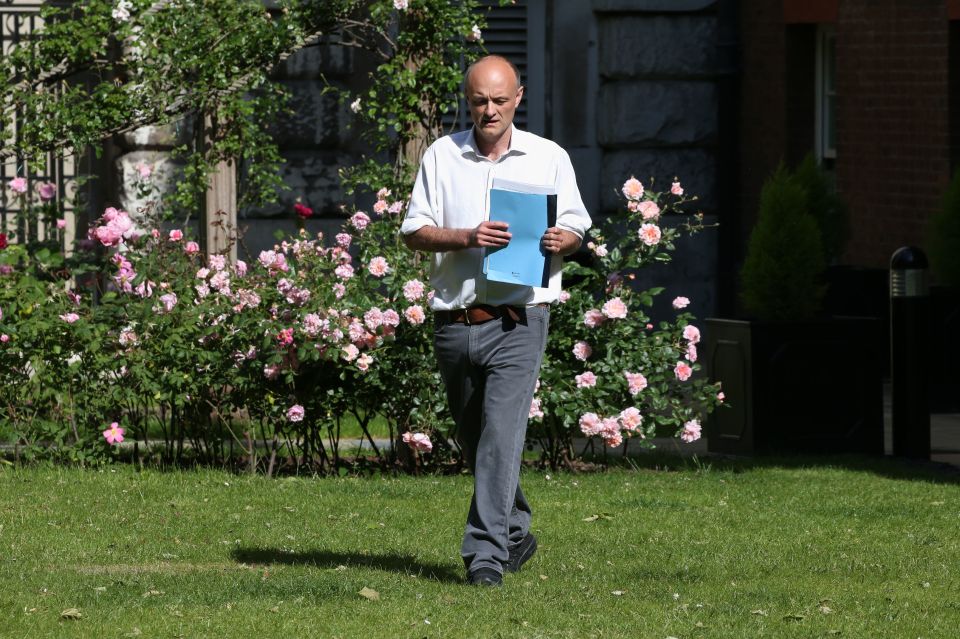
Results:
x,y
489,109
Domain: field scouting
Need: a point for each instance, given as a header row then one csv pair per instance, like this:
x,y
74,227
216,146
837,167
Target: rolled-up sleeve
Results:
x,y
571,213
423,206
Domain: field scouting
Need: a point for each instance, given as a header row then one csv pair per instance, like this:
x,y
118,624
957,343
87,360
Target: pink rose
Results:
x,y
339,290
600,250
582,351
69,318
191,248
649,234
47,191
360,220
175,235
613,440
18,185
344,271
284,337
691,431
378,267
350,352
593,318
564,297
631,418
413,290
676,189
680,302
343,240
373,318
271,371
536,411
417,441
169,301
586,380
636,382
114,434
295,413
691,352
683,371
396,207
379,207
61,224
615,309
401,5
363,362
4,338
144,170
691,333
391,318
590,424
721,397
633,189
415,315
649,210
240,268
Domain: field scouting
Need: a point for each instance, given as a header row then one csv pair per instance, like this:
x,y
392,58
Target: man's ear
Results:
x,y
519,97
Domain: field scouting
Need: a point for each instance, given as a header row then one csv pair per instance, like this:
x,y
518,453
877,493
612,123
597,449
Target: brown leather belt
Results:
x,y
482,313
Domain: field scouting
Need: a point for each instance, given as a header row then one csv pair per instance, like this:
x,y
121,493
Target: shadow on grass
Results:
x,y
884,466
403,564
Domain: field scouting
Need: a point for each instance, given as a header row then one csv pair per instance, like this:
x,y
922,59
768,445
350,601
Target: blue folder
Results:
x,y
529,210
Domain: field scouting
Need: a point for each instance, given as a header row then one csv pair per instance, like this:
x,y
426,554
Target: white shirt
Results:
x,y
452,191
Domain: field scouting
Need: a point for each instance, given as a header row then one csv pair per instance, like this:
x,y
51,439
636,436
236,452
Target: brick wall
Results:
x,y
892,121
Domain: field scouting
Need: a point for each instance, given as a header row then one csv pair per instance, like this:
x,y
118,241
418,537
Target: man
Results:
x,y
489,336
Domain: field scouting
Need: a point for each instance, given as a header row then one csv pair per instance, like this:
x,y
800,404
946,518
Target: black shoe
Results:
x,y
521,554
485,577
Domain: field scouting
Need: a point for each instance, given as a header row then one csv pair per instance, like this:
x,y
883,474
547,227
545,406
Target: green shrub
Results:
x,y
785,254
943,236
826,207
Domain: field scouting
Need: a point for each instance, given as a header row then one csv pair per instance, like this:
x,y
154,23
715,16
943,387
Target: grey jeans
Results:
x,y
490,371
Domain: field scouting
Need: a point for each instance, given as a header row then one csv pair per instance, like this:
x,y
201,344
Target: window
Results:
x,y
825,125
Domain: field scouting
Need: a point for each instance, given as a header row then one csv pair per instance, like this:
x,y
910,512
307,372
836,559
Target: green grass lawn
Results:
x,y
729,550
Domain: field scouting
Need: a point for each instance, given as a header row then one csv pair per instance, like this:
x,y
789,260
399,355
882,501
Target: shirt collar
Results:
x,y
518,143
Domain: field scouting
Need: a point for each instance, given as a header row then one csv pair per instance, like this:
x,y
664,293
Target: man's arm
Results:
x,y
433,239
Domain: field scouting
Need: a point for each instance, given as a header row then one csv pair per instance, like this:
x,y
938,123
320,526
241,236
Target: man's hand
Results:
x,y
490,234
559,241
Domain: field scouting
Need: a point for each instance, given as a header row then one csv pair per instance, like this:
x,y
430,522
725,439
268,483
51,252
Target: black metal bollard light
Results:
x,y
909,352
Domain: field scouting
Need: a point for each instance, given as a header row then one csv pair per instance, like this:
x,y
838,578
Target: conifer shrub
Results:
x,y
785,257
826,207
943,236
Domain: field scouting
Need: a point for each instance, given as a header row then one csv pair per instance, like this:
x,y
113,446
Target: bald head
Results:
x,y
492,64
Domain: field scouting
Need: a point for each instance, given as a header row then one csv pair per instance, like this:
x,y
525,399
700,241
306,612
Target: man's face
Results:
x,y
493,96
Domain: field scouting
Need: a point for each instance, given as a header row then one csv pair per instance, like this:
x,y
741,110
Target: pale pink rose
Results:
x,y
47,191
649,327
593,318
350,352
615,308
396,207
114,434
417,441
391,318
343,240
373,318
633,189
631,419
61,224
378,267
220,281
107,235
691,431
379,207
339,290
363,362
649,234
271,371
203,290
636,382
144,170
18,185
110,213
721,397
357,332
691,352
649,210
344,271
590,424
683,371
633,206
415,315
217,262
155,234
586,380
676,189
475,34
680,302
240,268
582,351
600,250
191,248
613,440
413,290
401,5
295,413
360,220
175,235
127,338
145,288
564,297
169,301
691,333
203,273
383,193
69,318
536,410
4,338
